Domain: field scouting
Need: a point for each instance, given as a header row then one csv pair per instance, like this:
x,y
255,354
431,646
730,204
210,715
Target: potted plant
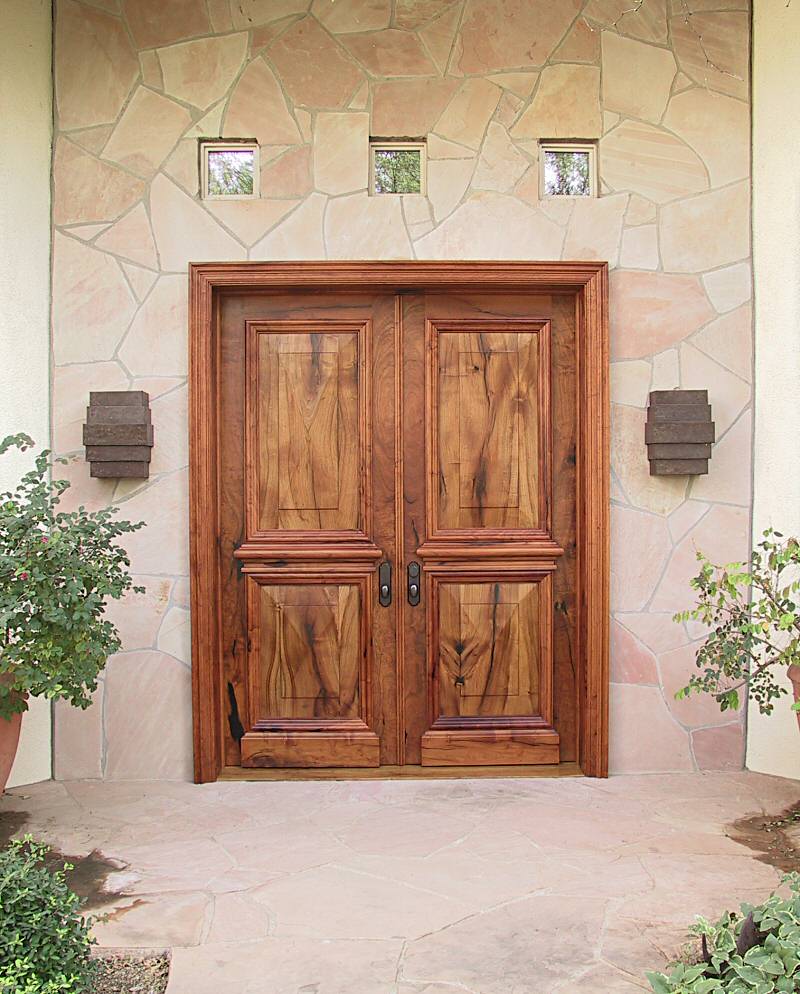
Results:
x,y
58,570
753,616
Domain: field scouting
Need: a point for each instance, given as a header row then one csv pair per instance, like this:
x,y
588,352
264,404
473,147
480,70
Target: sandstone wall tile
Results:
x,y
582,44
644,737
729,287
156,344
297,237
649,161
686,517
346,16
634,578
713,49
500,165
313,68
719,748
250,220
722,534
493,226
151,740
728,476
390,53
174,635
595,228
630,382
655,630
631,661
707,231
729,341
78,740
639,248
92,303
648,22
512,34
651,311
95,68
184,232
137,617
131,238
163,545
717,127
154,23
289,175
666,370
151,69
409,106
341,152
86,189
415,13
364,227
170,413
727,393
438,36
466,116
676,669
200,72
258,109
254,13
448,180
658,494
637,77
566,105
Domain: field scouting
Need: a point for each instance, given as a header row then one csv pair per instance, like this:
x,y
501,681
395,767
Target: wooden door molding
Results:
x,y
587,281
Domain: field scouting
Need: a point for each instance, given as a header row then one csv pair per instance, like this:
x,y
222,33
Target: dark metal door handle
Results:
x,y
413,584
385,584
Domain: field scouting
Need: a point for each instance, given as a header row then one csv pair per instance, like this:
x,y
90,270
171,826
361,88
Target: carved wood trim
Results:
x,y
588,281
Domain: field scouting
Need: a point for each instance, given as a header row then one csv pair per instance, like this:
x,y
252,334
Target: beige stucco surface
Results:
x,y
25,138
483,80
773,744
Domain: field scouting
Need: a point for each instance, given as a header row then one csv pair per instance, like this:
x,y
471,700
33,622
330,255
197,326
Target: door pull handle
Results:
x,y
413,584
385,584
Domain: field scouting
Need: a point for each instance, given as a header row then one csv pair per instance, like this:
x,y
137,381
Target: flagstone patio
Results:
x,y
409,887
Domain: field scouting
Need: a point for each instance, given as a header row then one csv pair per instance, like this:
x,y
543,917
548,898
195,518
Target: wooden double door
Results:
x,y
397,527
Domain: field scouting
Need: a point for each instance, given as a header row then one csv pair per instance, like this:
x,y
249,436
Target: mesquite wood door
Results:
x,y
397,528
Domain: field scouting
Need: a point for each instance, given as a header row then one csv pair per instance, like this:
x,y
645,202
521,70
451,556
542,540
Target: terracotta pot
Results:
x,y
9,739
794,675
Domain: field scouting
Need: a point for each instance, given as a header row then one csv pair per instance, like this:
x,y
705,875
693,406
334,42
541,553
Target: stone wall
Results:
x,y
666,92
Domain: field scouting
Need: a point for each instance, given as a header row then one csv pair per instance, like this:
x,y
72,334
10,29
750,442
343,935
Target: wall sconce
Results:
x,y
118,434
679,432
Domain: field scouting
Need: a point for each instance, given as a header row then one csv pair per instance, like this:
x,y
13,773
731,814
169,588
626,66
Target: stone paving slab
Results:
x,y
410,887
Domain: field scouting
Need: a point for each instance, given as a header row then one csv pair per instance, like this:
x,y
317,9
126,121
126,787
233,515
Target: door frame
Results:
x,y
588,281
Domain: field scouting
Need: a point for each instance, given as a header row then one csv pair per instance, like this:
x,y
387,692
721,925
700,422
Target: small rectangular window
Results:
x,y
568,169
229,170
397,167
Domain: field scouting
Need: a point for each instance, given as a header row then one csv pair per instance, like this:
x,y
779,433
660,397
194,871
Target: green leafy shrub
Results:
x,y
753,615
58,570
756,952
44,940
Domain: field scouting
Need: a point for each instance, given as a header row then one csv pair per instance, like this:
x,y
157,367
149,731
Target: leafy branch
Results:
x,y
58,570
754,620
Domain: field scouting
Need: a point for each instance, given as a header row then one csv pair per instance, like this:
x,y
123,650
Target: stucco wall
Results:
x,y
483,79
25,137
773,743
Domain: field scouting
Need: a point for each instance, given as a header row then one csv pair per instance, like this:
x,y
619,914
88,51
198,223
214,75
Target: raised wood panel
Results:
x,y
494,747
491,647
307,427
489,419
306,750
305,651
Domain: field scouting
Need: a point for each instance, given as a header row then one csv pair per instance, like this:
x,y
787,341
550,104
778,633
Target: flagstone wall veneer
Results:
x,y
138,81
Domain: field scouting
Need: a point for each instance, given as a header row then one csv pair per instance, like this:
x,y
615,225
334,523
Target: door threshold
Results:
x,y
545,770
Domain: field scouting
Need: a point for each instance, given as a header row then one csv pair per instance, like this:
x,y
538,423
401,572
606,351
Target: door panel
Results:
x,y
479,657
307,660
307,420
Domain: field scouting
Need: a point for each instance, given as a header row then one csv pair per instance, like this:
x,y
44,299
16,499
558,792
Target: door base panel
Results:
x,y
304,750
509,747
238,774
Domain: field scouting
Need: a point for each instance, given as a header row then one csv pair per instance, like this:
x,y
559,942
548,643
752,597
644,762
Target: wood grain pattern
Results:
x,y
306,403
583,288
489,400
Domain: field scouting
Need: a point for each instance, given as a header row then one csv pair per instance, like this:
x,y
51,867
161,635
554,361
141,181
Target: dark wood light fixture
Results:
x,y
118,434
679,432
